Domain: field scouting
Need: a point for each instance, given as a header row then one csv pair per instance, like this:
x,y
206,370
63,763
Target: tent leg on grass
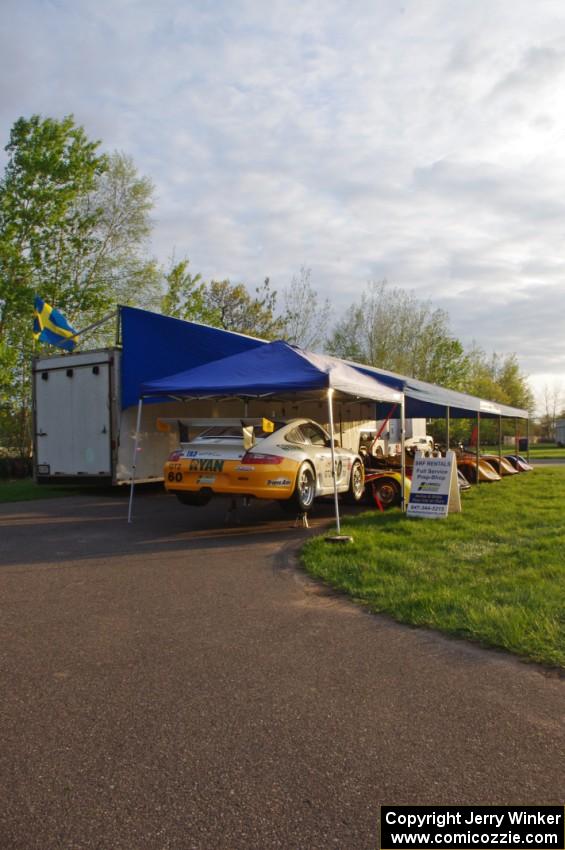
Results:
x,y
478,454
134,459
402,457
339,537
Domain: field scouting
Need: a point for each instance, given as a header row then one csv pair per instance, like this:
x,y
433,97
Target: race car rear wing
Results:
x,y
247,426
215,421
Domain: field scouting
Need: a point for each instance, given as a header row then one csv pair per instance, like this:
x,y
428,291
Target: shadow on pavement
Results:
x,y
95,525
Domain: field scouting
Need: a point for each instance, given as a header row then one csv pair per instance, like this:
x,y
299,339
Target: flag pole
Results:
x,y
339,537
118,326
95,325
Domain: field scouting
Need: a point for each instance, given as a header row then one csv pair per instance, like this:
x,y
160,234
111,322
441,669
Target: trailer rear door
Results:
x,y
73,428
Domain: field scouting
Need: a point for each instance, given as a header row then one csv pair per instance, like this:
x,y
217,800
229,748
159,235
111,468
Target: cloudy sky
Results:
x,y
420,141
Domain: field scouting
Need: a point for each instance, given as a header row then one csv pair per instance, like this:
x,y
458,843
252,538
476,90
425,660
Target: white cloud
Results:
x,y
421,142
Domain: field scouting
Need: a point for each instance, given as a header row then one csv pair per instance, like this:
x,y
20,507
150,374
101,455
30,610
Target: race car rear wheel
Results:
x,y
196,499
302,498
387,491
356,484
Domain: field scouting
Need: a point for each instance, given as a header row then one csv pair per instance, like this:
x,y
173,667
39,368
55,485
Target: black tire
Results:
x,y
356,491
387,490
304,492
195,499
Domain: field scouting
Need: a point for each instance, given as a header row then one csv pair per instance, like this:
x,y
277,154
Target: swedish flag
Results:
x,y
51,326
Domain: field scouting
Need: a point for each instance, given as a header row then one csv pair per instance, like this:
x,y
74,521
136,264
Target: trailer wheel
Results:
x,y
387,491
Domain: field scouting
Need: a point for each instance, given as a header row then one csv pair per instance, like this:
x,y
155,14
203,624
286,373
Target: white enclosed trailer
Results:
x,y
81,432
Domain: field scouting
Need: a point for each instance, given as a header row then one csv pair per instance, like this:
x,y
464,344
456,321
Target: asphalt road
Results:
x,y
180,684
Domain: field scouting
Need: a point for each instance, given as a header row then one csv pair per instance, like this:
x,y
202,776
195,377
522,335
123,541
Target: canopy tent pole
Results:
x,y
334,476
447,427
500,440
402,455
528,439
478,455
516,437
134,459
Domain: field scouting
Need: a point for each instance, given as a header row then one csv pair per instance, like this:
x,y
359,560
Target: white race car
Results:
x,y
290,461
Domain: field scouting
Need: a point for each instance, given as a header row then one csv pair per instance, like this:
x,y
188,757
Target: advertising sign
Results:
x,y
435,491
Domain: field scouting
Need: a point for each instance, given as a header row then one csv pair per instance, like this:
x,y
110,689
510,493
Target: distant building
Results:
x,y
560,432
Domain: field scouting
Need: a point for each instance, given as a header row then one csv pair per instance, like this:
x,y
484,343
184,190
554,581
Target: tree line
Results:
x,y
75,225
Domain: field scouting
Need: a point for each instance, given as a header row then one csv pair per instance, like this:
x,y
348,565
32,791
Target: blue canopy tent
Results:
x,y
273,370
432,401
155,345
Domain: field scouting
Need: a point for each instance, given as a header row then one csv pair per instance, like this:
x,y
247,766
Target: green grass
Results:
x,y
25,490
494,573
543,451
546,451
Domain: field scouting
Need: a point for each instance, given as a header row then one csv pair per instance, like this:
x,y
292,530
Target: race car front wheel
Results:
x,y
356,484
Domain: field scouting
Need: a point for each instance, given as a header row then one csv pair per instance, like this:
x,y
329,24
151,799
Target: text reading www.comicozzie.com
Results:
x,y
476,827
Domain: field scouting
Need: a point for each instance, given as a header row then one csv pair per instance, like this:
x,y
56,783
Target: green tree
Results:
x,y
118,269
306,319
73,226
230,306
221,303
551,401
184,297
119,264
498,378
51,166
389,328
514,383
